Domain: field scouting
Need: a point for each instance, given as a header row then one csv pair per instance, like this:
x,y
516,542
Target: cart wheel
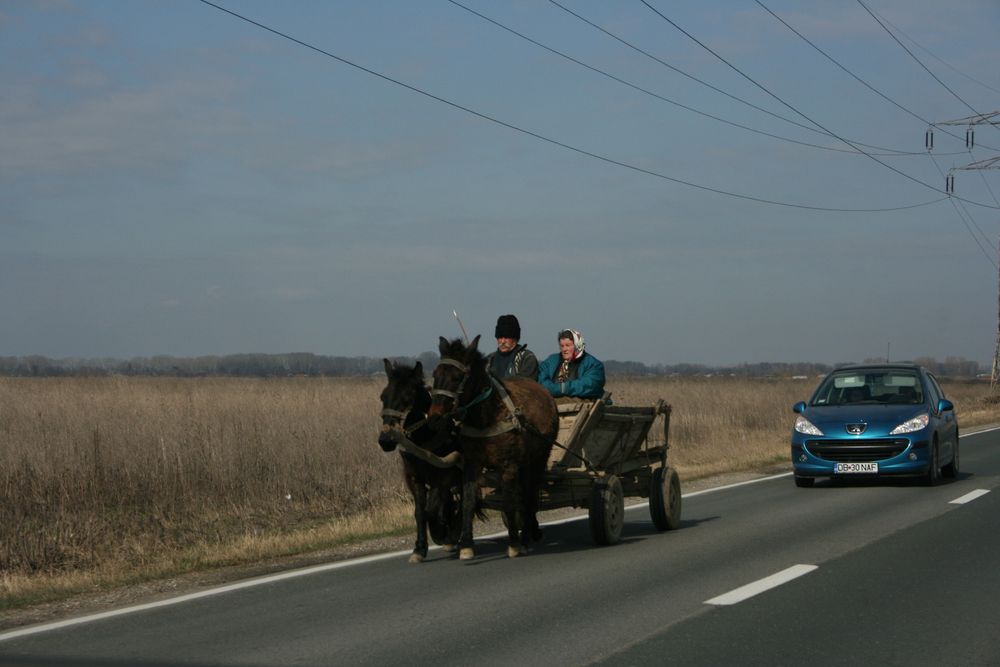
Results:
x,y
665,499
607,510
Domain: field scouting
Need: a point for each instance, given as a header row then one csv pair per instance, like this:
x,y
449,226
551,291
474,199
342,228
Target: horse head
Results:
x,y
405,401
456,375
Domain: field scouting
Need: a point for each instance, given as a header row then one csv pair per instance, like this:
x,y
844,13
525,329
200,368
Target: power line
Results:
x,y
932,55
985,182
555,142
959,211
673,68
911,54
888,99
852,74
789,106
666,99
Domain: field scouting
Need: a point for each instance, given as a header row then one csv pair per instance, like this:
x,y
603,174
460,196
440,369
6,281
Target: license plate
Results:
x,y
867,467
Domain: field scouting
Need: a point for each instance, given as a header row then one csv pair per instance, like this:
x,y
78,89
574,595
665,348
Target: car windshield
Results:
x,y
869,386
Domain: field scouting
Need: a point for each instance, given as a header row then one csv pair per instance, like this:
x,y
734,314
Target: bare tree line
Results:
x,y
317,365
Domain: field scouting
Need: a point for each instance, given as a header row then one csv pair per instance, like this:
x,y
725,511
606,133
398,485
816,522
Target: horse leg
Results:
x,y
529,525
470,488
420,516
511,503
452,513
531,490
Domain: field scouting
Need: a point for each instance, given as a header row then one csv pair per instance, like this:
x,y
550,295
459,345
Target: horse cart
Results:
x,y
603,454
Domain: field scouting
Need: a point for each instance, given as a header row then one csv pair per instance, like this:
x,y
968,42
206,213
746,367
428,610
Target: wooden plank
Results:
x,y
571,430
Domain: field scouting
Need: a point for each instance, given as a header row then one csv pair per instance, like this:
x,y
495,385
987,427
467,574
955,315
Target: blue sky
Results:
x,y
175,180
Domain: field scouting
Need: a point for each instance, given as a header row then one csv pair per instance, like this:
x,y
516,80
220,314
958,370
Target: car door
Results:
x,y
947,423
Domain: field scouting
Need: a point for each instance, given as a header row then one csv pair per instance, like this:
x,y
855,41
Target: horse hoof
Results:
x,y
416,558
450,548
466,554
514,552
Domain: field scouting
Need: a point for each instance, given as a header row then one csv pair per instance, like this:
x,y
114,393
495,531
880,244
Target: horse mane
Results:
x,y
479,379
468,354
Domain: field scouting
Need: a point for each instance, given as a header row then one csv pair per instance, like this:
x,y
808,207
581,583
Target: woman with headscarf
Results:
x,y
572,371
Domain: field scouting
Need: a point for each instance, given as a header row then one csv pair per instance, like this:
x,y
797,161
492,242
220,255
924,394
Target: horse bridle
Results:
x,y
400,415
453,395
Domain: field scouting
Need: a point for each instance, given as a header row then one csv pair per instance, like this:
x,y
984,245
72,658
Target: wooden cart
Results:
x,y
603,454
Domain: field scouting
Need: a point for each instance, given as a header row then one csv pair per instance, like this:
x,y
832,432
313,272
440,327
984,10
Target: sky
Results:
x,y
682,182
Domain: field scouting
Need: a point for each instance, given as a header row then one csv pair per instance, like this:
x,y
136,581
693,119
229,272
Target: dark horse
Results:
x,y
506,428
436,491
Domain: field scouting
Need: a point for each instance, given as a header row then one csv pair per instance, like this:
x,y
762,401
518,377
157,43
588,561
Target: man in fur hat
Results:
x,y
511,358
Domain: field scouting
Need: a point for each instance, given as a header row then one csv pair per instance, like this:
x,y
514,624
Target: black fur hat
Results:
x,y
508,327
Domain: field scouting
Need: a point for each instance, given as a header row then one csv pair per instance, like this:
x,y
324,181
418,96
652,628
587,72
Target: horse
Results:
x,y
436,491
506,427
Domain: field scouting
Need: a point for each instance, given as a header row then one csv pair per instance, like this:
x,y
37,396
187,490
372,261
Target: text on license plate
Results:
x,y
867,467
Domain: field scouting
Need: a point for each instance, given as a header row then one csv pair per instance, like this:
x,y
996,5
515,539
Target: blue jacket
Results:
x,y
589,381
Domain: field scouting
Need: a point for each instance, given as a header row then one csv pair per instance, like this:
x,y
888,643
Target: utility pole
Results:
x,y
971,122
995,373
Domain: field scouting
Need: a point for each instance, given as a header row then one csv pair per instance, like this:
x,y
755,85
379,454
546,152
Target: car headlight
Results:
x,y
803,425
911,425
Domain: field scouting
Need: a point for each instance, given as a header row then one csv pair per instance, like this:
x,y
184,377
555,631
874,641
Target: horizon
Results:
x,y
950,359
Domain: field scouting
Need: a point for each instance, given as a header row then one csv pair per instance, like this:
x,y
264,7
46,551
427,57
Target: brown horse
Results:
x,y
436,491
506,428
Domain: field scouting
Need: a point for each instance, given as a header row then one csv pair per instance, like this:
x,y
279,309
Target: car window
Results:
x,y
935,390
901,387
869,386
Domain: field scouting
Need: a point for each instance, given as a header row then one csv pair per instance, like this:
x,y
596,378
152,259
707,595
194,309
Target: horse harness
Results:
x,y
514,421
427,455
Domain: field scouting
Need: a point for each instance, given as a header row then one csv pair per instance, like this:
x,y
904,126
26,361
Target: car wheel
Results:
x,y
933,474
804,482
951,470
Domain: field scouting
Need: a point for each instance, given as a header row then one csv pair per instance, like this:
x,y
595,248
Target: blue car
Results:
x,y
876,420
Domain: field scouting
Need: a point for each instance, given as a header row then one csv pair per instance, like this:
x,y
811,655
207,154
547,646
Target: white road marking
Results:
x,y
972,495
250,583
767,583
756,480
645,503
982,430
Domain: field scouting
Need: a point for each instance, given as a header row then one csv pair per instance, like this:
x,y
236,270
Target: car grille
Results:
x,y
857,450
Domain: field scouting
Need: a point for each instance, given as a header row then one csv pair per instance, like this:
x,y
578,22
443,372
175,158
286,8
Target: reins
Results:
x,y
460,410
513,422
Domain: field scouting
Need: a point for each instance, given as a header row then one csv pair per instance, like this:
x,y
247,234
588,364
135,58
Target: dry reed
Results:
x,y
108,480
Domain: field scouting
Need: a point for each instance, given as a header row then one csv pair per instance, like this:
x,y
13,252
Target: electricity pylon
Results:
x,y
971,122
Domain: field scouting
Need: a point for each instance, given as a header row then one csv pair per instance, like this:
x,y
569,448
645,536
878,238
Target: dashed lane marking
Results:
x,y
972,495
767,583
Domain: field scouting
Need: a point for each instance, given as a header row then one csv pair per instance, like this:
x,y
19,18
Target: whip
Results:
x,y
462,326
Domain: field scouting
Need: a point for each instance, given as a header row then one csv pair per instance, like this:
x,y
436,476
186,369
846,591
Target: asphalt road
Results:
x,y
890,573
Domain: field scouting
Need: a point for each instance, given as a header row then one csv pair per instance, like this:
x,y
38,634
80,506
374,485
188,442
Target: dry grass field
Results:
x,y
105,481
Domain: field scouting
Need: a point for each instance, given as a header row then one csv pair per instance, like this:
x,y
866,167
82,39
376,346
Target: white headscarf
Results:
x,y
579,345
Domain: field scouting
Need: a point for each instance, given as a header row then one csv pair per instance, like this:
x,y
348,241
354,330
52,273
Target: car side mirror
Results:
x,y
799,407
945,404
